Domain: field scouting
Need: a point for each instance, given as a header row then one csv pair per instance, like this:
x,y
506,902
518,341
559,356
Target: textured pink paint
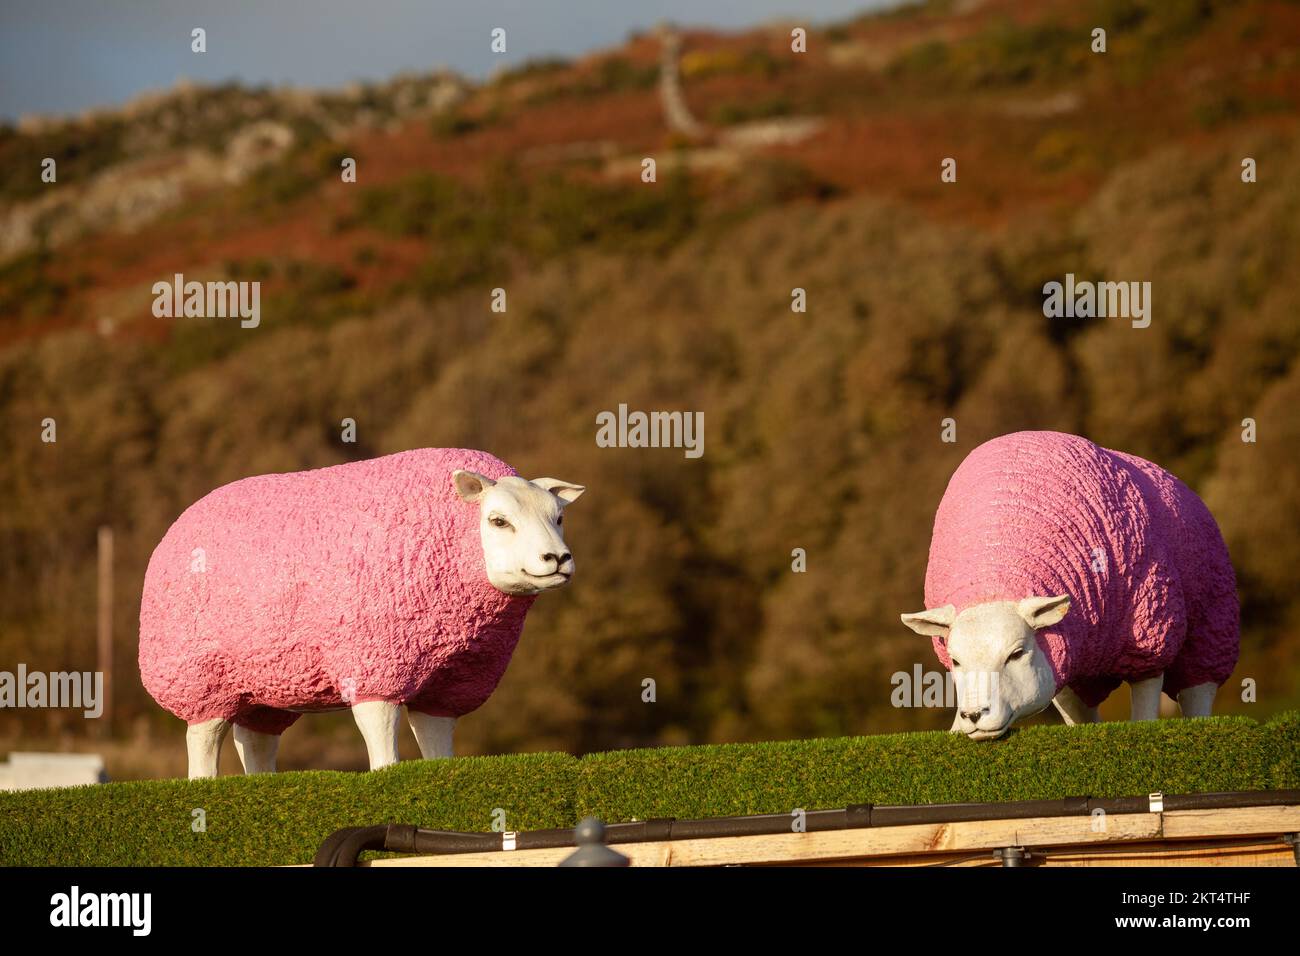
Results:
x,y
370,572
1022,516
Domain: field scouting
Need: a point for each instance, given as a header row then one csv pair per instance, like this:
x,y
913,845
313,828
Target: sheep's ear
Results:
x,y
566,491
934,622
1042,611
470,485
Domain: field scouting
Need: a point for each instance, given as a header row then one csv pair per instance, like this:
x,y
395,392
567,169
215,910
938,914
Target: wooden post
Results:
x,y
105,623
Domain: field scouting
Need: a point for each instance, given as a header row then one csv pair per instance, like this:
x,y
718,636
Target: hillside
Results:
x,y
819,171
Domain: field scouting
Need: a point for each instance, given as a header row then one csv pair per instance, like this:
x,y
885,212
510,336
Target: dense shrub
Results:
x,y
279,819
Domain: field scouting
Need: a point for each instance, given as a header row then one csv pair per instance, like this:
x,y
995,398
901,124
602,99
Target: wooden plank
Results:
x,y
967,843
1205,853
1136,854
1240,821
966,837
1180,854
641,854
497,858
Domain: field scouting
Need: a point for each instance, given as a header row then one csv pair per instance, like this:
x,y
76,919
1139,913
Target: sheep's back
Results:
x,y
1195,549
276,590
1043,513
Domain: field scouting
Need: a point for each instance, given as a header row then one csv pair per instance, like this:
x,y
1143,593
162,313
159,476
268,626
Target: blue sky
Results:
x,y
62,56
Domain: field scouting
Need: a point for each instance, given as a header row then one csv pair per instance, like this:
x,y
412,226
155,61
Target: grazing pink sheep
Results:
x,y
400,580
1037,524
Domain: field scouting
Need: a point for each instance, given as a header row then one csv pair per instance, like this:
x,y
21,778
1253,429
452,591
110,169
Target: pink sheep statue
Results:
x,y
1059,569
403,580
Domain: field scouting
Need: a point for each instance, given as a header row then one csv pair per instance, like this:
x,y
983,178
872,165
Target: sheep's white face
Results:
x,y
520,524
999,671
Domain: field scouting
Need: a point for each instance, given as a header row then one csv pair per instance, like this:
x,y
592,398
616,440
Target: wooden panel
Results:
x,y
1242,821
1135,854
1173,854
838,844
496,858
1142,839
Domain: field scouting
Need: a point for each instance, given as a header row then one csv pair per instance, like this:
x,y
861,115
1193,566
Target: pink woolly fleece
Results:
x,y
366,577
1029,514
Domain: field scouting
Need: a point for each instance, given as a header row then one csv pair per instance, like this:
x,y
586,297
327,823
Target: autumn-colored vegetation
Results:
x,y
822,428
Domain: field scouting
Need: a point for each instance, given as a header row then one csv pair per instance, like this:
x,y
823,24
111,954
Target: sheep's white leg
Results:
x,y
203,745
256,751
1197,701
378,721
1145,696
433,734
1073,710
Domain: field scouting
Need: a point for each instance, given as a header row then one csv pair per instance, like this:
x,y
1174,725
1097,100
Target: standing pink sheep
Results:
x,y
1059,569
400,580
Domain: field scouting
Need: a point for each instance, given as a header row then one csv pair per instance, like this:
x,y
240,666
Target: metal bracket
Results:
x,y
1156,802
508,839
1012,855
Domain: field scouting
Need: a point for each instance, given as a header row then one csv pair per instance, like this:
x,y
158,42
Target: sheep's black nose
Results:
x,y
974,715
559,559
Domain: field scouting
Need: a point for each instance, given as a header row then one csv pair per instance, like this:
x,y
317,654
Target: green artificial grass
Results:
x,y
282,818
273,819
1033,763
1284,734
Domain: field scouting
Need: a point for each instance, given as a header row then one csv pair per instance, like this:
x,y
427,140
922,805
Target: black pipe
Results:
x,y
342,847
325,853
449,841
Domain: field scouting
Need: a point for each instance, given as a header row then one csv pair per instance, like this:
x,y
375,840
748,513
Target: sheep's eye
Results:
x,y
1016,655
498,522
559,521
956,663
